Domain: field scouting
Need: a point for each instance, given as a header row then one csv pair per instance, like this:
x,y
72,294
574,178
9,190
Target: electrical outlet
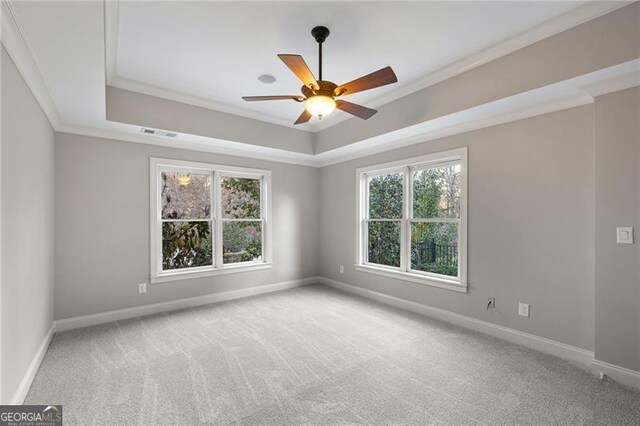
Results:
x,y
342,269
523,309
142,288
491,303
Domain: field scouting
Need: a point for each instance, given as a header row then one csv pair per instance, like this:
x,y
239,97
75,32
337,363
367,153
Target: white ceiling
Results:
x,y
214,52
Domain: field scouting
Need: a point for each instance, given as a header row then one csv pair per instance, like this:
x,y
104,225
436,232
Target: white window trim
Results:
x,y
156,165
404,272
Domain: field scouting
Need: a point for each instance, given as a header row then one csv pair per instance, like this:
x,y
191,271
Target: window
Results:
x,y
412,219
207,219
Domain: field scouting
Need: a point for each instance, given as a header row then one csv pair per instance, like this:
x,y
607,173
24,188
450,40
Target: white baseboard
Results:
x,y
139,311
622,375
24,386
552,347
581,356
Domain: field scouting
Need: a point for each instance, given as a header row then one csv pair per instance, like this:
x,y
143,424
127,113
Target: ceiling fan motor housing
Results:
x,y
327,88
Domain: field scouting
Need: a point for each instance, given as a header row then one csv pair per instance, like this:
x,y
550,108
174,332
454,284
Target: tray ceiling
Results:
x,y
211,53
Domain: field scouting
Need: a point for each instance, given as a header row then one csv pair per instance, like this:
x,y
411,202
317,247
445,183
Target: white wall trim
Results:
x,y
580,356
559,96
614,84
16,43
555,97
158,92
24,386
139,311
622,375
130,133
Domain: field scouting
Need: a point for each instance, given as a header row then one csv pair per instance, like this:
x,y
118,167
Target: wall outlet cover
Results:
x,y
491,302
142,288
523,309
342,269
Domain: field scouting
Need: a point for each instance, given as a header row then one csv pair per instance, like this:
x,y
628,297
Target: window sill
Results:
x,y
415,278
231,269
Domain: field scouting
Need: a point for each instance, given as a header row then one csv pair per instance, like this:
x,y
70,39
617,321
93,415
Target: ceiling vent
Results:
x,y
156,132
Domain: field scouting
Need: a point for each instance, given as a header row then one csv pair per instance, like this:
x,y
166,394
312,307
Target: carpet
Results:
x,y
313,355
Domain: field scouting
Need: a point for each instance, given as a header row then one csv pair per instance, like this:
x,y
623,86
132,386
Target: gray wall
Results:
x,y
102,226
134,108
617,290
27,155
531,225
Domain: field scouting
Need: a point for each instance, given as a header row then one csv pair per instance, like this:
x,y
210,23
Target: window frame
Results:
x,y
159,165
404,272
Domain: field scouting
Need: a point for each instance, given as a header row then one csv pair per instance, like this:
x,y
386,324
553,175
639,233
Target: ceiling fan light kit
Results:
x,y
320,95
320,105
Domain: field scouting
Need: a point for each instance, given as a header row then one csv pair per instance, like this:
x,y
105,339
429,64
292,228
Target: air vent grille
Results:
x,y
157,132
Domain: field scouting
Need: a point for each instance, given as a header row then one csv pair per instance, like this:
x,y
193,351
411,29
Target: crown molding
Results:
x,y
528,37
131,133
614,84
567,94
454,124
17,46
147,89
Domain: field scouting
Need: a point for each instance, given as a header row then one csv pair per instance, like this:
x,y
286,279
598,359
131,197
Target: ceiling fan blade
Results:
x,y
355,109
273,98
300,69
304,117
375,79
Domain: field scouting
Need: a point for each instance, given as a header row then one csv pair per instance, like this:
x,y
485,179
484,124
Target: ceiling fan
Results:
x,y
320,96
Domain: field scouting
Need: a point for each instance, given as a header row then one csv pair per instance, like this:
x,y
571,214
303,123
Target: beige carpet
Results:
x,y
313,355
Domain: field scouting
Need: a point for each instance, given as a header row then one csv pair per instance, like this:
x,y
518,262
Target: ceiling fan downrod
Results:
x,y
320,34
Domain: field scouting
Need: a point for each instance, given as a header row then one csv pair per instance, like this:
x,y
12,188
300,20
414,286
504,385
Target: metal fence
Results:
x,y
428,252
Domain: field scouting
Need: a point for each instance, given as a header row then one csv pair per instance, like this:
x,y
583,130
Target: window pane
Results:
x,y
242,241
434,247
186,245
240,198
186,195
385,196
436,192
384,243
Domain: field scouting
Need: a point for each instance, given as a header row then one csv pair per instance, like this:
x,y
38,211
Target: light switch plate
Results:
x,y
624,235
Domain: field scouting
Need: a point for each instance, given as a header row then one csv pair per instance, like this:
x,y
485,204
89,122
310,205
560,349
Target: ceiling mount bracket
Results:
x,y
320,33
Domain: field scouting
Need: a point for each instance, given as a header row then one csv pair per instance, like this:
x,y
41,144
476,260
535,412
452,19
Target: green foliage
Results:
x,y
242,241
241,200
384,243
426,193
385,196
186,245
436,194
